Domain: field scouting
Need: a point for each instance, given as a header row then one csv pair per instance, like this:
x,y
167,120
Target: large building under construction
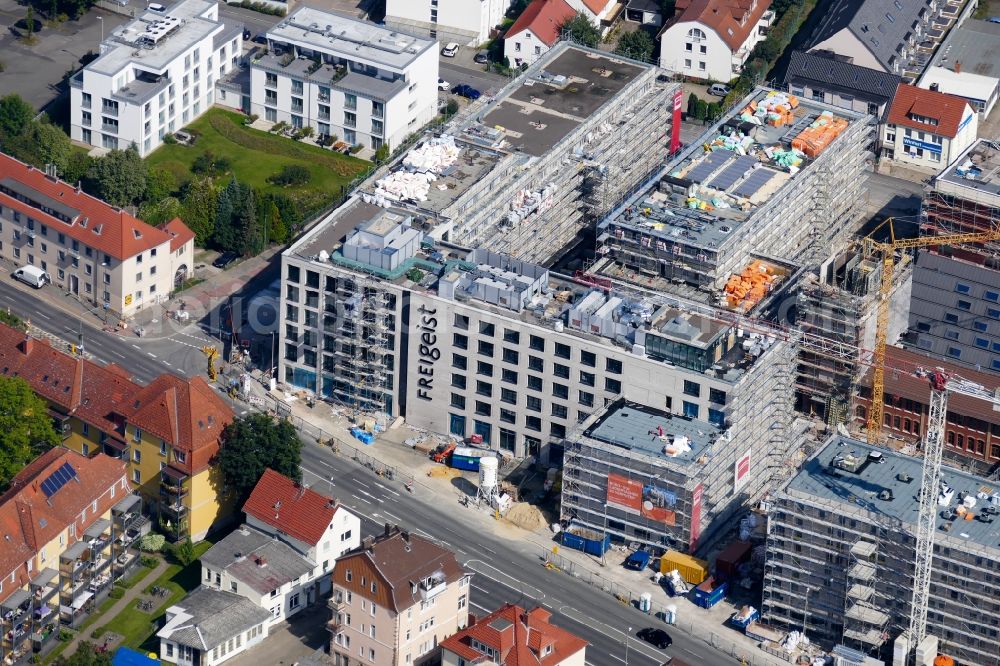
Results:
x,y
380,317
523,173
778,177
955,306
840,554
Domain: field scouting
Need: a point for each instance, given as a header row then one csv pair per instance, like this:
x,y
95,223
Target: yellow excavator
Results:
x,y
212,354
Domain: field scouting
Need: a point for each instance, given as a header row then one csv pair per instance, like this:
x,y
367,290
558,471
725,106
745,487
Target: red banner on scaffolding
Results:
x,y
675,129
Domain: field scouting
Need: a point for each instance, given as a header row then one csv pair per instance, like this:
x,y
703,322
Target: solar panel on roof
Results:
x,y
754,182
709,165
58,479
732,173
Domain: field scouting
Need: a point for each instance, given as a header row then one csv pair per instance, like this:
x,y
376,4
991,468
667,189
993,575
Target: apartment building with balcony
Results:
x,y
172,430
467,22
395,598
363,83
154,75
166,432
712,39
92,250
61,527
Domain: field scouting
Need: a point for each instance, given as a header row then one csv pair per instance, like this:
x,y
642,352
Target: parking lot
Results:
x,y
36,71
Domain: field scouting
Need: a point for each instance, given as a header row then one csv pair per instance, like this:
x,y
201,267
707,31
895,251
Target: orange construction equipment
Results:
x,y
943,660
441,453
814,139
751,286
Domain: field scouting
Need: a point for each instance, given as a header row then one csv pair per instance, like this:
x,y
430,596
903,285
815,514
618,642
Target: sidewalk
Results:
x,y
126,601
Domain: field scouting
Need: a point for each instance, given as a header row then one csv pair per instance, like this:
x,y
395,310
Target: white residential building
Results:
x,y
209,627
317,527
536,31
602,13
361,82
154,75
712,40
926,130
467,22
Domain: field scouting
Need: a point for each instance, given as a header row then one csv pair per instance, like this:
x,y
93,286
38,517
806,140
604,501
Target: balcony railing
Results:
x,y
110,110
324,116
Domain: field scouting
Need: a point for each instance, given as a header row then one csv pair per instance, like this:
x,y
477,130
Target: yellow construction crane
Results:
x,y
212,353
872,249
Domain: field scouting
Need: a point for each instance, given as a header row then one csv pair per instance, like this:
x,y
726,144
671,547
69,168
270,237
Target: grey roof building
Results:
x,y
209,626
874,33
257,560
840,82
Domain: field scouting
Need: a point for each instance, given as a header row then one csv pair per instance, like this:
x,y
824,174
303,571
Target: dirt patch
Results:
x,y
526,516
443,472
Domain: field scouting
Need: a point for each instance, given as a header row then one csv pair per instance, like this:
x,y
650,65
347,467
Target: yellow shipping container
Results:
x,y
690,568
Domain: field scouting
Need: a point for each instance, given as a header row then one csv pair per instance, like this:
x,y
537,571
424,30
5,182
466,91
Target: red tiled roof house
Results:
x,y
88,247
711,39
536,30
512,636
927,130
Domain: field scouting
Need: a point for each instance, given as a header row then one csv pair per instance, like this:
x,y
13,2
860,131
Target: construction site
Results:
x,y
779,178
526,171
841,552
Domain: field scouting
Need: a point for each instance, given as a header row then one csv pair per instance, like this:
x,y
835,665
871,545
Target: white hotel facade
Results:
x,y
154,75
360,82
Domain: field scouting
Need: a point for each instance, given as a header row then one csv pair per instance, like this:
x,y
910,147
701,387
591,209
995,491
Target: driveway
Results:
x,y
290,641
36,72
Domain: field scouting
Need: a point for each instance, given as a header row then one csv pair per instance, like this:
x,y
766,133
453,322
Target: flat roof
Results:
x,y
638,427
862,489
962,84
978,168
348,38
975,44
569,88
745,165
120,48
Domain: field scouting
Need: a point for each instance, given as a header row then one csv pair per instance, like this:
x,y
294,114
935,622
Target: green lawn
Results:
x,y
139,628
254,156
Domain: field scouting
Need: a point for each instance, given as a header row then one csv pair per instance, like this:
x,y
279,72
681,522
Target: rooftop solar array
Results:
x,y
754,182
733,172
58,479
709,166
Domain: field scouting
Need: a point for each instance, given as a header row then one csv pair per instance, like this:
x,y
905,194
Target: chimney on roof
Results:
x,y
406,535
79,186
958,66
334,503
934,87
301,493
388,530
261,561
368,542
27,345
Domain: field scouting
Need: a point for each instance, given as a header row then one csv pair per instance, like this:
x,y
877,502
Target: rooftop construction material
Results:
x,y
849,485
606,114
779,176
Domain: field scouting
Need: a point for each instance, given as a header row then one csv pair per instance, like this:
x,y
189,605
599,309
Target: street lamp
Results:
x,y
626,644
101,19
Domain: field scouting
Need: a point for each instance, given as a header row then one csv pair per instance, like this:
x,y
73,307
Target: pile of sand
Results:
x,y
442,472
526,516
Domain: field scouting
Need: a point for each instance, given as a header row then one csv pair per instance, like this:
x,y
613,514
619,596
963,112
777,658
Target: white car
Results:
x,y
450,50
443,85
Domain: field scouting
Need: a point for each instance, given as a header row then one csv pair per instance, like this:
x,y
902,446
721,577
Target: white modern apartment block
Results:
x,y
361,82
467,22
154,75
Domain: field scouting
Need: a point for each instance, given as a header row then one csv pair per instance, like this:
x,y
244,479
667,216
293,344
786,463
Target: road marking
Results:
x,y
482,608
43,315
152,355
617,634
394,517
614,656
693,654
495,574
121,356
386,489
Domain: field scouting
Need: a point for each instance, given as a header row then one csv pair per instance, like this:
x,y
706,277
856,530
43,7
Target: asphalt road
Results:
x,y
145,358
504,571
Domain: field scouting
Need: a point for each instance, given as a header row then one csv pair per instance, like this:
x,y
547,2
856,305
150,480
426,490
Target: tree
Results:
x,y
152,542
183,552
637,45
164,210
254,443
713,111
692,108
200,205
25,427
224,236
77,167
29,22
15,115
160,184
381,153
581,30
86,655
52,146
120,177
270,219
701,110
291,174
249,231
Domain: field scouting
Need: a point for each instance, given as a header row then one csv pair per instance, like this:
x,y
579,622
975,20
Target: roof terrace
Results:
x,y
976,174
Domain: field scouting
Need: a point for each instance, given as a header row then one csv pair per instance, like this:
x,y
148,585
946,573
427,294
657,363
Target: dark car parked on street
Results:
x,y
464,90
655,637
225,260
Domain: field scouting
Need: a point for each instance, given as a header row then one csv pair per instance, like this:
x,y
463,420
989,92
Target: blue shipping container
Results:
x,y
465,462
595,547
637,561
707,594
